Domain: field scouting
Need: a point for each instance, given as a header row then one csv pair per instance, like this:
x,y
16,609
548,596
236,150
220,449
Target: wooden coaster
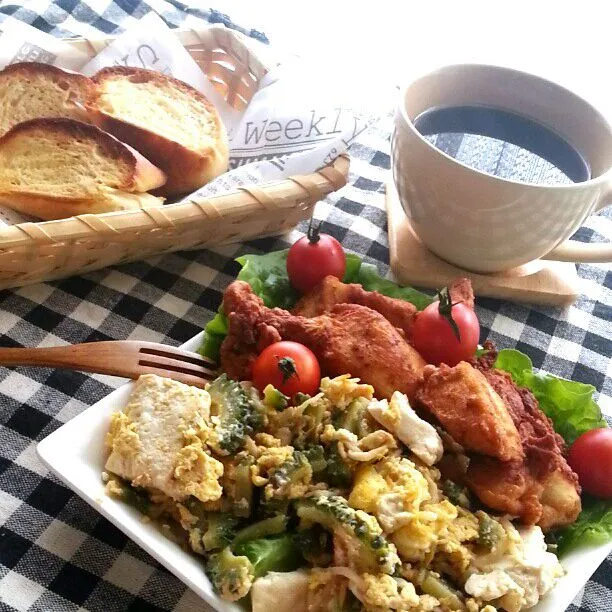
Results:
x,y
554,283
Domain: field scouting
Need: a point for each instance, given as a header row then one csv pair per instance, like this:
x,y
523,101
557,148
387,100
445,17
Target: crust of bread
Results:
x,y
186,169
49,208
138,175
31,68
68,81
143,175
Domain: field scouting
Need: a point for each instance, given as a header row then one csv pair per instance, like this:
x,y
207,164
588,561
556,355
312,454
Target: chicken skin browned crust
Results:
x,y
516,460
546,485
350,339
470,410
401,314
331,292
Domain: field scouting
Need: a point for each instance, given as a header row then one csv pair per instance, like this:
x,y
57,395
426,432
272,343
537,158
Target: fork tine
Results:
x,y
183,356
157,349
189,379
117,358
178,368
174,364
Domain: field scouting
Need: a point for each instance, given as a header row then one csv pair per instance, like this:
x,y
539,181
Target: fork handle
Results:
x,y
95,357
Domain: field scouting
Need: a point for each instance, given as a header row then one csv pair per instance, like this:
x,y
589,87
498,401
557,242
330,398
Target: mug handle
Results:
x,y
580,252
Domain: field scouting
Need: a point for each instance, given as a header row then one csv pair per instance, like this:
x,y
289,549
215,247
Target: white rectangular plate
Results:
x,y
75,453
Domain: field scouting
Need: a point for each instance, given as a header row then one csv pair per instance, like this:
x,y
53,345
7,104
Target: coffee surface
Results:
x,y
503,144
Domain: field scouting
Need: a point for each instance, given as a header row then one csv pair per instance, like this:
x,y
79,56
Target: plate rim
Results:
x,y
45,447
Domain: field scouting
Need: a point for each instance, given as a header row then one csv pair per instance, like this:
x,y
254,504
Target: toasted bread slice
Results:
x,y
168,121
57,168
29,90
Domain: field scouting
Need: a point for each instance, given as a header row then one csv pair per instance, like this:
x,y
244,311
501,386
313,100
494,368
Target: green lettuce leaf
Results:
x,y
267,275
592,528
353,265
571,408
368,277
214,334
568,404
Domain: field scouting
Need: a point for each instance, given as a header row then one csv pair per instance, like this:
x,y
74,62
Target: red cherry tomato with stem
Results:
x,y
590,457
290,367
439,340
314,257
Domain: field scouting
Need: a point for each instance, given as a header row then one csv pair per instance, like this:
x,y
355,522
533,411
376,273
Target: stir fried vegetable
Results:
x,y
262,529
334,513
220,530
312,482
237,414
271,554
490,532
231,575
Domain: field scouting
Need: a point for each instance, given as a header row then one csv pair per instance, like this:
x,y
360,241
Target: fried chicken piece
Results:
x,y
539,487
544,484
350,339
331,291
470,410
512,488
461,290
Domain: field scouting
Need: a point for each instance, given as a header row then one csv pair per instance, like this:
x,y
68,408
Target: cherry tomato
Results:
x,y
314,257
288,366
591,458
435,339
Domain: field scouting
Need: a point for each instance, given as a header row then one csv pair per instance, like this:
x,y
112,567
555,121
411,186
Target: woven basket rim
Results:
x,y
12,236
186,37
47,250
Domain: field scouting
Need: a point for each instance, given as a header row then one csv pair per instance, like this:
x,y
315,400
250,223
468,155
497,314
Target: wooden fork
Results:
x,y
125,358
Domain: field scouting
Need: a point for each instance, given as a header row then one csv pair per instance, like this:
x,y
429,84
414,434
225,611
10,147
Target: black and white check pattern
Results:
x,y
56,552
69,18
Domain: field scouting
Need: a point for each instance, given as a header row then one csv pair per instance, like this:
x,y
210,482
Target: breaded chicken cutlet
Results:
x,y
349,339
401,314
516,460
330,292
470,410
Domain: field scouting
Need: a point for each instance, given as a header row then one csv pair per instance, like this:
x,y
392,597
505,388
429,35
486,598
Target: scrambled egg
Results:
x,y
418,435
268,460
517,573
383,592
418,538
372,447
398,495
342,390
158,441
376,592
392,489
452,554
163,441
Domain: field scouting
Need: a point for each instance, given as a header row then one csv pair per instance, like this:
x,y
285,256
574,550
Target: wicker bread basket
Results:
x,y
35,252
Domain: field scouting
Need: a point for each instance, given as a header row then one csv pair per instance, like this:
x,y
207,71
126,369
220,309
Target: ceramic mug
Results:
x,y
484,223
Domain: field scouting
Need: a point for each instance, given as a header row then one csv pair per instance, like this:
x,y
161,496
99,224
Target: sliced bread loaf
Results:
x,y
169,122
57,168
29,90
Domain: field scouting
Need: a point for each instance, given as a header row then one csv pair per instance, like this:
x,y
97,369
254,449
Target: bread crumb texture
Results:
x,y
31,90
179,114
72,159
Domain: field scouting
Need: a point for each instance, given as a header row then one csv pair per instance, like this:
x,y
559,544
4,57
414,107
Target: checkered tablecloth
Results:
x,y
56,552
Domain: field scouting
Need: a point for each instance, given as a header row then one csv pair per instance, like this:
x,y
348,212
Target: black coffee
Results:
x,y
504,144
